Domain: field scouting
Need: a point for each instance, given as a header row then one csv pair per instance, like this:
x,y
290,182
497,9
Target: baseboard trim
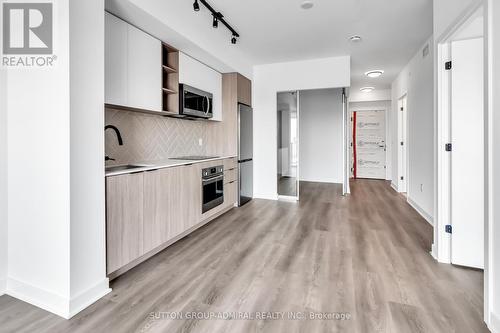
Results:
x,y
38,297
88,297
433,251
3,286
419,210
394,187
322,181
494,325
52,302
265,197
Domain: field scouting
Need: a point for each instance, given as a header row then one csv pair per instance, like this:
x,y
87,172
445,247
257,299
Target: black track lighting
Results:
x,y
217,17
196,6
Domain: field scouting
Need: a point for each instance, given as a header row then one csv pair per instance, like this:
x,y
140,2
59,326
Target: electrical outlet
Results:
x,y
200,142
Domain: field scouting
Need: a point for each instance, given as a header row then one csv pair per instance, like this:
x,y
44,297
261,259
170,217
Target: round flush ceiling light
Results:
x,y
374,74
306,4
367,89
355,38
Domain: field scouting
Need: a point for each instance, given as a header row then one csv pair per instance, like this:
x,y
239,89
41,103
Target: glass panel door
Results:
x,y
288,145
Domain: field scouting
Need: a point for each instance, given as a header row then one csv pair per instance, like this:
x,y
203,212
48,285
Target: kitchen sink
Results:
x,y
125,167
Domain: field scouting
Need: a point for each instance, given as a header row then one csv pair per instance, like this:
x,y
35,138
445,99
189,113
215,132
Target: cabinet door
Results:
x,y
190,193
157,205
244,90
124,223
198,75
230,191
116,50
172,203
144,70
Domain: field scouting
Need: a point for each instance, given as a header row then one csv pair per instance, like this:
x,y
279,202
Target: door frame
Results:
x,y
441,247
403,166
290,197
442,240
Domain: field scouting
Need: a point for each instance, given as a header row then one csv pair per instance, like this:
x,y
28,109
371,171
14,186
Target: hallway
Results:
x,y
365,256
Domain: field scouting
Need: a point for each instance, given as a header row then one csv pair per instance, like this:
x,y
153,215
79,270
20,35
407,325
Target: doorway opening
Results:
x,y
461,228
311,140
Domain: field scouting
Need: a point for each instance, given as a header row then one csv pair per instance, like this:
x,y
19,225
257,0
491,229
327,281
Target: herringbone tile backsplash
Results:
x,y
148,137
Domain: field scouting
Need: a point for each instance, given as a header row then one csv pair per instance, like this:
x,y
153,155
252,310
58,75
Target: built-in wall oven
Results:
x,y
212,187
194,102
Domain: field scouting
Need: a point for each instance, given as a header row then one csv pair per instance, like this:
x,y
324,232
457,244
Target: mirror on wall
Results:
x,y
287,148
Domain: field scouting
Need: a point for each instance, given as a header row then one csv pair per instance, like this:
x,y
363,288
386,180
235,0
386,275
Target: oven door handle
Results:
x,y
212,179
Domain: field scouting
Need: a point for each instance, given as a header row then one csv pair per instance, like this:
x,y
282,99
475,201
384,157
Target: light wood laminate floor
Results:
x,y
365,255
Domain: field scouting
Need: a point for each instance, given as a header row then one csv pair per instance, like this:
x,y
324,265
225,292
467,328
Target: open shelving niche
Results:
x,y
170,79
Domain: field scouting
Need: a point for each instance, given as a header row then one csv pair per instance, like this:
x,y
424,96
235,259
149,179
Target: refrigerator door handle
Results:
x,y
245,160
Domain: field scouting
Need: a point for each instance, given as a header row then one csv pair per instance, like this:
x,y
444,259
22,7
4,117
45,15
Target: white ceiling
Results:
x,y
279,30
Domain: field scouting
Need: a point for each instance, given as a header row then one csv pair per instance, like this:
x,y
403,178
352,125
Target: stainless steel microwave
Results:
x,y
195,102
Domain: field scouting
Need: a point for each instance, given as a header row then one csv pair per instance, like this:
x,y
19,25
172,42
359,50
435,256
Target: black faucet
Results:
x,y
118,135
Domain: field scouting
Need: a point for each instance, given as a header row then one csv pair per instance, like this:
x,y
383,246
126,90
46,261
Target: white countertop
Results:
x,y
160,164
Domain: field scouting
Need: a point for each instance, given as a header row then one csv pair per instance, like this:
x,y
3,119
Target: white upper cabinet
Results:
x,y
144,70
133,66
198,75
116,32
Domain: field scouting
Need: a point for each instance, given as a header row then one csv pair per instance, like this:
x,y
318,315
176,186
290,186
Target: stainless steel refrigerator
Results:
x,y
245,153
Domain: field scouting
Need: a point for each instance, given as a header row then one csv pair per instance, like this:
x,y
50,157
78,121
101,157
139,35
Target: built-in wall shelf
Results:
x,y
169,69
169,91
170,80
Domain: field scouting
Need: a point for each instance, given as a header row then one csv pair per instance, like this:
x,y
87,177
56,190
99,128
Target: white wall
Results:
x,y
267,81
376,95
56,257
38,189
492,273
3,180
88,280
377,105
320,140
446,12
417,81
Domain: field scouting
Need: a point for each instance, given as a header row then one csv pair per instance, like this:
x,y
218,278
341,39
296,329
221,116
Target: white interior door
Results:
x,y
369,145
467,156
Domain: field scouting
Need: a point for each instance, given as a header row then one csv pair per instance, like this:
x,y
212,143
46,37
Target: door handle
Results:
x,y
208,105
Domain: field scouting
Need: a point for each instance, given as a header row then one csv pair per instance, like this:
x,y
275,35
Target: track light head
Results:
x,y
196,6
233,40
215,22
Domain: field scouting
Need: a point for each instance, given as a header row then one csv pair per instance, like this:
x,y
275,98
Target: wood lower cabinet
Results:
x,y
147,210
230,191
124,225
172,203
